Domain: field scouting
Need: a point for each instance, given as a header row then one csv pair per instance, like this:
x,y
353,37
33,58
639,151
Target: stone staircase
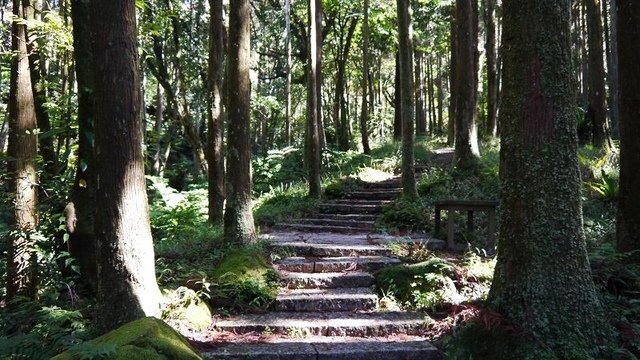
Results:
x,y
328,307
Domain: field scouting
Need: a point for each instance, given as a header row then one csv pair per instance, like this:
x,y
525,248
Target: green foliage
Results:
x,y
337,189
244,280
404,214
606,187
31,331
278,168
283,203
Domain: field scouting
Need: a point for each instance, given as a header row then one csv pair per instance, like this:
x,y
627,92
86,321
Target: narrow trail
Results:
x,y
328,307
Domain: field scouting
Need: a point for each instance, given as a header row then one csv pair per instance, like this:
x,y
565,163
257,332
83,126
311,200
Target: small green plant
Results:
x,y
606,187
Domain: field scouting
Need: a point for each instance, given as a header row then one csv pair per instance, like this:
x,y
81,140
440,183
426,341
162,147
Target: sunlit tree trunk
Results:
x,y
238,217
127,287
542,280
397,102
453,78
597,110
614,102
215,145
364,113
466,134
288,114
22,168
312,142
492,68
405,40
420,115
628,222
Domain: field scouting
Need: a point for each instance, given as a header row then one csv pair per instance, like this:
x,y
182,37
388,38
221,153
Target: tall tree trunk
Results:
x,y
614,102
405,40
127,287
314,101
238,218
542,279
364,114
466,145
80,212
421,118
628,222
33,11
22,168
288,114
492,68
344,138
397,102
597,110
440,87
453,78
430,94
215,138
158,161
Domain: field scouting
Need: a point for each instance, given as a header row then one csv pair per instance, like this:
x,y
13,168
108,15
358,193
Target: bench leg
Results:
x,y
492,230
470,222
437,227
451,229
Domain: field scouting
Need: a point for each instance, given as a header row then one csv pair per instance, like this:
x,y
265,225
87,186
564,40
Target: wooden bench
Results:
x,y
488,206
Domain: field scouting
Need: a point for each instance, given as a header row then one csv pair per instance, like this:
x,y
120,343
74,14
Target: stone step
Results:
x,y
329,324
325,250
335,264
321,228
359,202
352,279
393,183
346,349
350,208
347,217
362,224
375,194
318,300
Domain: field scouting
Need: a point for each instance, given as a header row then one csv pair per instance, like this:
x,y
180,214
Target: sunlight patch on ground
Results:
x,y
373,175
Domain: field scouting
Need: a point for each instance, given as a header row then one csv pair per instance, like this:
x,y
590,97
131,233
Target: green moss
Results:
x,y
183,306
244,279
147,338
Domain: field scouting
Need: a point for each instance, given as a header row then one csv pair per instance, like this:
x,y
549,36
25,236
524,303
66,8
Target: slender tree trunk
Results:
x,y
314,100
80,212
364,114
453,78
22,168
628,222
431,95
127,287
344,138
215,144
421,121
440,86
158,162
492,68
542,280
597,96
466,145
4,133
397,102
405,34
289,72
238,218
614,102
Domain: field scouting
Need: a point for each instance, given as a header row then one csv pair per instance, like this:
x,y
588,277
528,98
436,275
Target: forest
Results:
x,y
319,179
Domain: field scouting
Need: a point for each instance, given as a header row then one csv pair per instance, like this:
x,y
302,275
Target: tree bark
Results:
x,y
453,78
314,101
127,287
22,167
288,114
215,133
466,145
80,223
628,222
440,87
597,110
238,218
492,68
542,282
405,34
397,102
364,114
344,134
421,116
614,96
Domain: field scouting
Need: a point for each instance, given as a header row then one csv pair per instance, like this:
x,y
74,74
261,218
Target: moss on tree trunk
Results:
x,y
542,280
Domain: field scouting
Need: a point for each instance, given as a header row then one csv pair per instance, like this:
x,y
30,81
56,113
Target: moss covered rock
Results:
x,y
147,338
244,279
183,308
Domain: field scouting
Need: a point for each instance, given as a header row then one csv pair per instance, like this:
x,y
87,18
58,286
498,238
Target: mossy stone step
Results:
x,y
314,300
347,349
347,217
322,228
375,194
336,264
351,279
330,250
360,224
350,208
350,324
